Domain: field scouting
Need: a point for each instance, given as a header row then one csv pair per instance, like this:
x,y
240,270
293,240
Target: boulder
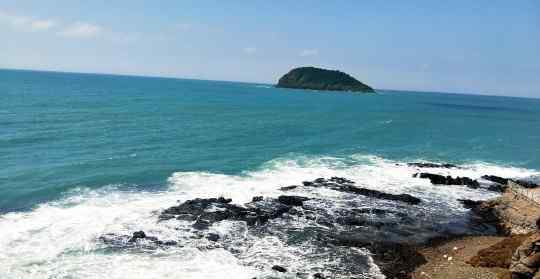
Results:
x,y
279,268
288,188
292,200
526,259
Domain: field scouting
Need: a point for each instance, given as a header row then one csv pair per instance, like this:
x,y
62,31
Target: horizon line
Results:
x,y
247,82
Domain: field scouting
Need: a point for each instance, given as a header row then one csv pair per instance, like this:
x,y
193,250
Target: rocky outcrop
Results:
x,y
389,225
138,239
498,255
344,185
496,179
205,212
526,259
438,179
321,79
433,165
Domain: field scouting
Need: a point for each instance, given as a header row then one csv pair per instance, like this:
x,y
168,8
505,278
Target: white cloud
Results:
x,y
309,52
42,25
81,30
249,50
26,23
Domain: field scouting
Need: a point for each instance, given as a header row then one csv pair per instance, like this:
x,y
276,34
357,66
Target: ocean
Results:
x,y
84,155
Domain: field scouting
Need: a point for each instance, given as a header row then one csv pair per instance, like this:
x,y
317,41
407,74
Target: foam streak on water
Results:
x,y
60,239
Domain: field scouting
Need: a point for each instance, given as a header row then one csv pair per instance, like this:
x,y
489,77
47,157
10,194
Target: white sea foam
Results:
x,y
60,239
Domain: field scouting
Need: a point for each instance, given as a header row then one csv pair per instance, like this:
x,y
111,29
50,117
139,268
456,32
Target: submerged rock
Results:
x,y
138,239
432,165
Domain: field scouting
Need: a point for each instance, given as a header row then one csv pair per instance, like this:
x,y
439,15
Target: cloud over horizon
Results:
x,y
82,30
26,23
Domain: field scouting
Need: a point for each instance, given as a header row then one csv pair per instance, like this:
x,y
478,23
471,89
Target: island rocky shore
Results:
x,y
395,238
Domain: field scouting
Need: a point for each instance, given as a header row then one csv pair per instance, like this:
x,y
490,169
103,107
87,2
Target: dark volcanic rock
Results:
x,y
406,198
527,184
257,198
432,165
496,179
292,200
344,185
321,79
396,260
287,188
212,237
279,268
208,211
137,239
137,235
438,179
470,203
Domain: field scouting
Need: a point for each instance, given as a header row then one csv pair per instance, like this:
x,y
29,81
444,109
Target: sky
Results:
x,y
478,47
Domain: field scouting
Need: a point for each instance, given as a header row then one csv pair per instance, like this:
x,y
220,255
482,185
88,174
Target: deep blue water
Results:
x,y
59,131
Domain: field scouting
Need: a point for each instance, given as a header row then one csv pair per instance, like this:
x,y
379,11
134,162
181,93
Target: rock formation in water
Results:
x,y
322,79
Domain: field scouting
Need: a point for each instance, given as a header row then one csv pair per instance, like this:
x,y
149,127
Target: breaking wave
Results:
x,y
61,239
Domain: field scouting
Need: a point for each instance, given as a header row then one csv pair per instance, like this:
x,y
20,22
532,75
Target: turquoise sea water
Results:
x,y
61,131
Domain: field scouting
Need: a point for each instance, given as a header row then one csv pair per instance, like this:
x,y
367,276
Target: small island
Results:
x,y
322,79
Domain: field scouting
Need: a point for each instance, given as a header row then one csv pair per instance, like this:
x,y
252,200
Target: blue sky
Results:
x,y
482,47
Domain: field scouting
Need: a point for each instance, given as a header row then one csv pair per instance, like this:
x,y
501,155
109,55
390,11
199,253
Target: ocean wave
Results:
x,y
60,239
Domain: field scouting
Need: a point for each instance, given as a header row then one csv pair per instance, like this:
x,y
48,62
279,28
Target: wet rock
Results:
x,y
345,185
137,239
526,184
209,211
201,224
137,235
496,179
319,276
224,200
257,198
292,200
213,237
341,180
406,198
279,268
432,165
470,203
288,188
395,260
438,179
319,180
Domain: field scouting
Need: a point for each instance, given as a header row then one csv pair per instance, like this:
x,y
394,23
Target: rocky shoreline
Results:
x,y
346,232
